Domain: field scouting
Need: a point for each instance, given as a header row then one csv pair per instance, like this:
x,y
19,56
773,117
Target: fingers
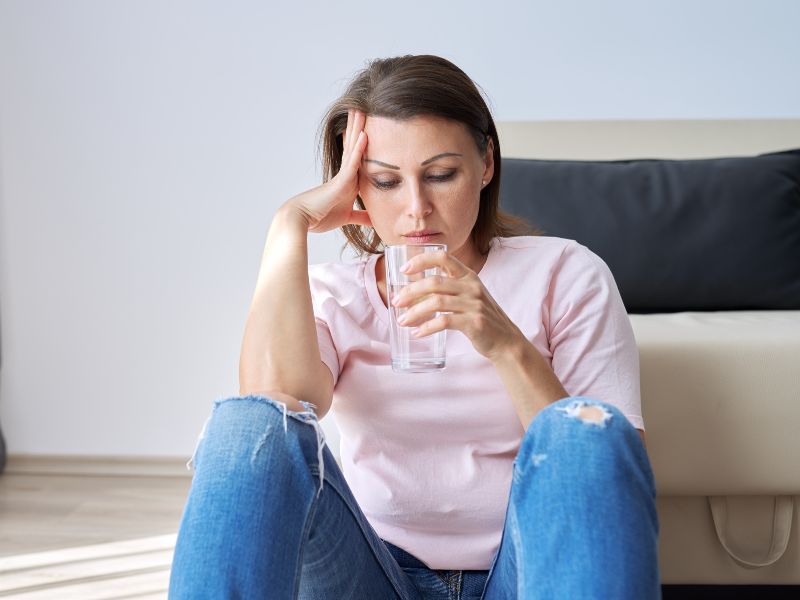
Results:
x,y
358,125
441,258
359,142
434,284
355,124
426,309
348,139
346,136
361,217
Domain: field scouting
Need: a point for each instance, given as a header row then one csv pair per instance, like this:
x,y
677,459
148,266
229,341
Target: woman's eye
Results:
x,y
442,177
385,185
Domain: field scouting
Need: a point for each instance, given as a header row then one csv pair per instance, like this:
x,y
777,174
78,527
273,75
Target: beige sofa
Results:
x,y
721,407
720,390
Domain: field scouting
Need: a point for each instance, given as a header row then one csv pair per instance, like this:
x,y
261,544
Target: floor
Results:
x,y
88,537
99,537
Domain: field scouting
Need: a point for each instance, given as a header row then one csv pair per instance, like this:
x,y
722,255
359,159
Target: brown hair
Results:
x,y
404,87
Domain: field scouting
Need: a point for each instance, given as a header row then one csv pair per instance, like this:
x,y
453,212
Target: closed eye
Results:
x,y
385,185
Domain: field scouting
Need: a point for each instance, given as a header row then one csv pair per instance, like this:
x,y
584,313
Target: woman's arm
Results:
x,y
280,351
593,348
530,382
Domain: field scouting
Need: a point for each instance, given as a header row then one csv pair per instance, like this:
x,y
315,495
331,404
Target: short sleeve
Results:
x,y
322,301
594,352
327,350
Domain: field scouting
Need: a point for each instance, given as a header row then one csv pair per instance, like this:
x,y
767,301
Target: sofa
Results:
x,y
699,221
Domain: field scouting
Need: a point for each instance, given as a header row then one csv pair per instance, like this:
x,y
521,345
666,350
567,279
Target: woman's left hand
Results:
x,y
470,307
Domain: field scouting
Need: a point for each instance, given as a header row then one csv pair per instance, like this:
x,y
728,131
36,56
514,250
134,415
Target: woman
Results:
x,y
517,472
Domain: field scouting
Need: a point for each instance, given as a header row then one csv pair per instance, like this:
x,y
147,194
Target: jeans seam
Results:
x,y
394,584
312,513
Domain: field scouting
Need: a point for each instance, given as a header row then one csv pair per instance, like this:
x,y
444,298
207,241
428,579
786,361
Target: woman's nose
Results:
x,y
418,203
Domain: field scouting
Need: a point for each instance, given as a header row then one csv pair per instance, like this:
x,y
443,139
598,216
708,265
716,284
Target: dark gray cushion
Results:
x,y
711,234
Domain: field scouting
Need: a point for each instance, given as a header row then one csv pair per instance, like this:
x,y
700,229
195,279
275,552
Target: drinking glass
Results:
x,y
409,354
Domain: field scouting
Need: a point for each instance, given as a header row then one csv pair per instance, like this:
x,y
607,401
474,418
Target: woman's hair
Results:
x,y
408,86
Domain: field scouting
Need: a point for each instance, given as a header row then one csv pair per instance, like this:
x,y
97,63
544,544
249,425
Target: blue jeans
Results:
x,y
269,515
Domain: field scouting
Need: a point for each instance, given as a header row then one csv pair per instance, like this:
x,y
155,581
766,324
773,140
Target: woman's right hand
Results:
x,y
330,205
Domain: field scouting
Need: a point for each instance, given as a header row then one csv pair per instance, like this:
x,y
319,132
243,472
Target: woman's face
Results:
x,y
423,174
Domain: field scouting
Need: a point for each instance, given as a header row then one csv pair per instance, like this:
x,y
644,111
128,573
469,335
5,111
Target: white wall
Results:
x,y
144,147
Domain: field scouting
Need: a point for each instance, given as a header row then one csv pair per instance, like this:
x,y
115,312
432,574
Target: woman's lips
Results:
x,y
421,238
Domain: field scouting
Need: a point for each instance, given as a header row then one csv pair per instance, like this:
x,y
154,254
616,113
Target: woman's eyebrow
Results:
x,y
423,163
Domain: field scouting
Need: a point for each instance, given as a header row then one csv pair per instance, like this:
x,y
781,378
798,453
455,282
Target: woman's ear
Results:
x,y
488,162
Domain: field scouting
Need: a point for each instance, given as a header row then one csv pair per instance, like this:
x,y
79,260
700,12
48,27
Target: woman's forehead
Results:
x,y
419,124
391,140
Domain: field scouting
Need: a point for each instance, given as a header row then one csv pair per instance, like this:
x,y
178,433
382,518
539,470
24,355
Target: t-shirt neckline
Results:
x,y
371,282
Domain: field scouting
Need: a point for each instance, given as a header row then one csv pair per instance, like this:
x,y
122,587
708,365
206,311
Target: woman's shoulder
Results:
x,y
338,268
337,275
560,253
538,245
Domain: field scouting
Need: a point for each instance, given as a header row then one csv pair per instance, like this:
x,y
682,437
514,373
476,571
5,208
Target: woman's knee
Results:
x,y
246,426
588,411
576,427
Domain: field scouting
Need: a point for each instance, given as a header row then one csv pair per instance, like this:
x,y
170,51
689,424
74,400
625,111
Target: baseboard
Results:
x,y
115,466
102,466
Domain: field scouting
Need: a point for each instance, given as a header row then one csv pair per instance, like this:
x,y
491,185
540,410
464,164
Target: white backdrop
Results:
x,y
145,145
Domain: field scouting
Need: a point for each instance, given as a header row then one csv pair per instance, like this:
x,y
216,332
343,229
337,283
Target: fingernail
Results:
x,y
405,267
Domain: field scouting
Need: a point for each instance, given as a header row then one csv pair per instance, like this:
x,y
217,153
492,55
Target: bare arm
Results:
x,y
531,382
280,353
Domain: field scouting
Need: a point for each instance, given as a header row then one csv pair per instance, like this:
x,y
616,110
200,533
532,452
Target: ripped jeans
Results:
x,y
269,515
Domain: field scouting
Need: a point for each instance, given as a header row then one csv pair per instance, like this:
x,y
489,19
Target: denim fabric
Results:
x,y
266,518
436,583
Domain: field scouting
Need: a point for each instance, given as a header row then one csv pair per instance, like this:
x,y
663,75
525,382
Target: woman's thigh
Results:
x,y
266,519
343,556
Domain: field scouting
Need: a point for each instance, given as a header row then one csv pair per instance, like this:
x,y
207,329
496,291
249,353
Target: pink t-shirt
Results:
x,y
428,456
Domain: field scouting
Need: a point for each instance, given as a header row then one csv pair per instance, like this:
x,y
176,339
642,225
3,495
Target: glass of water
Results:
x,y
409,354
